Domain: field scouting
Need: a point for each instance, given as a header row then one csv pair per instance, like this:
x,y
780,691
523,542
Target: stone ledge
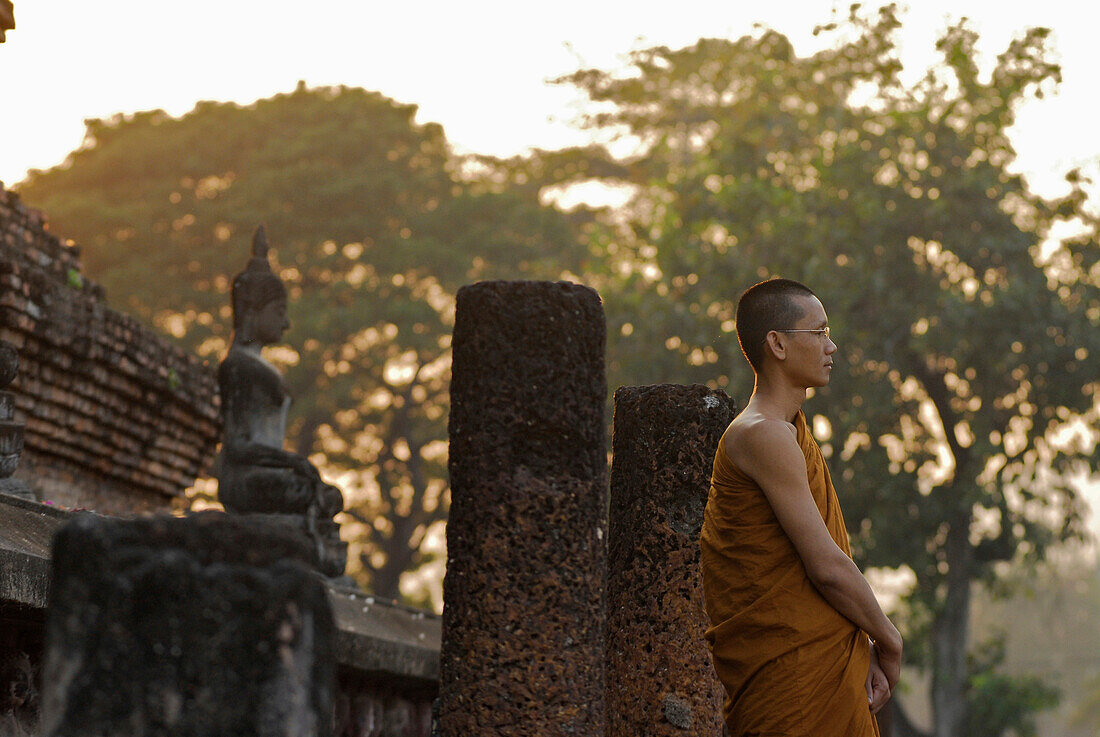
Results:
x,y
375,637
378,636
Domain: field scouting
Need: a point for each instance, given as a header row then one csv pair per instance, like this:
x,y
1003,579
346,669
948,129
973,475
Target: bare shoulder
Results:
x,y
753,429
753,439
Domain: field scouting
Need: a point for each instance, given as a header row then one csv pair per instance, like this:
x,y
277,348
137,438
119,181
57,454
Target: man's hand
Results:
x,y
888,656
878,687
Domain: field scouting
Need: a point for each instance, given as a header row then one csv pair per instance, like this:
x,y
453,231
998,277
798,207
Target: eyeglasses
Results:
x,y
823,332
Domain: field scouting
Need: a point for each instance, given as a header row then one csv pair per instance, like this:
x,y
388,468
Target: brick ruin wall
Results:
x,y
118,419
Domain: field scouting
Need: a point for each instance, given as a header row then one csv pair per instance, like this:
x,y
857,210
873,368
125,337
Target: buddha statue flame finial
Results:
x,y
259,245
257,285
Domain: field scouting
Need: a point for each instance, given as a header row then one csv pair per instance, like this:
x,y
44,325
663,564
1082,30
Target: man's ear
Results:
x,y
776,344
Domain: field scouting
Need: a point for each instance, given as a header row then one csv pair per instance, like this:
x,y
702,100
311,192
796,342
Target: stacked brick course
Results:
x,y
117,418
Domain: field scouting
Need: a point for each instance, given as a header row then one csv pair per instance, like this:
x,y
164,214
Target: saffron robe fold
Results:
x,y
792,665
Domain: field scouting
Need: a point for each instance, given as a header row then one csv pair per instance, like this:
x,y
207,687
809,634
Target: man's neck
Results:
x,y
777,399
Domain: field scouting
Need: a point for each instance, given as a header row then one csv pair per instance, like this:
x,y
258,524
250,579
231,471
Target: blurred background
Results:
x,y
928,171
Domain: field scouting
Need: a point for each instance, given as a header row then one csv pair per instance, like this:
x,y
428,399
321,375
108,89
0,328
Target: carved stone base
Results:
x,y
18,488
331,553
204,626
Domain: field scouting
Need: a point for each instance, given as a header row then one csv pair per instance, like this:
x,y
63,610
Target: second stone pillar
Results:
x,y
660,680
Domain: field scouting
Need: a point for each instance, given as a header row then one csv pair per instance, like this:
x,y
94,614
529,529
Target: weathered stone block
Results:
x,y
523,617
208,625
660,680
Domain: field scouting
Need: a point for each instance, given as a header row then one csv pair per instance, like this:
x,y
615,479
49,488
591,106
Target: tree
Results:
x,y
373,231
962,401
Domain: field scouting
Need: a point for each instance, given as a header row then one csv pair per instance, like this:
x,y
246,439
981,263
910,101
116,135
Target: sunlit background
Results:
x,y
481,70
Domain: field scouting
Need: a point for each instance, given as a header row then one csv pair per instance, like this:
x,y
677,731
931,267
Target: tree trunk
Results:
x,y
951,628
385,581
950,635
899,724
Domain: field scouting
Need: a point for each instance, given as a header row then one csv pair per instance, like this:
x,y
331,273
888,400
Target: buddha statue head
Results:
x,y
258,298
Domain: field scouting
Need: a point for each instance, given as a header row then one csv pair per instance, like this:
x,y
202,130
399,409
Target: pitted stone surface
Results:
x,y
201,626
660,680
523,616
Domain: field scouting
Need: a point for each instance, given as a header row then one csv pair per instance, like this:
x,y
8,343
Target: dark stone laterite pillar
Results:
x,y
660,680
204,626
524,609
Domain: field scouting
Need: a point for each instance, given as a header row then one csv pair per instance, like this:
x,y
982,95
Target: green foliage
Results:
x,y
373,234
962,400
74,279
998,702
1045,621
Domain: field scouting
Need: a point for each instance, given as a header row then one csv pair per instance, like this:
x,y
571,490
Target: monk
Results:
x,y
797,637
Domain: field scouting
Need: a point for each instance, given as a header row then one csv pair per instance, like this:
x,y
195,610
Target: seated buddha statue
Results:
x,y
256,475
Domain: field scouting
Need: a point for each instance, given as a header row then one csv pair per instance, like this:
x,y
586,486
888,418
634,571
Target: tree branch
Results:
x,y
936,388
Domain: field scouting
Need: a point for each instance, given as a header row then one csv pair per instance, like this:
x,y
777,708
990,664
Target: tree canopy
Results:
x,y
964,396
373,230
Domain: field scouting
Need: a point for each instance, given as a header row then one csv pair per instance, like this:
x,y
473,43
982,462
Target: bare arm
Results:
x,y
768,451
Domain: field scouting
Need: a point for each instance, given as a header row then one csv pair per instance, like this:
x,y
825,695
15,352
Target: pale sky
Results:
x,y
478,67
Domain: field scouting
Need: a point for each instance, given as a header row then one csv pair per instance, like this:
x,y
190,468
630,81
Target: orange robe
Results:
x,y
791,664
